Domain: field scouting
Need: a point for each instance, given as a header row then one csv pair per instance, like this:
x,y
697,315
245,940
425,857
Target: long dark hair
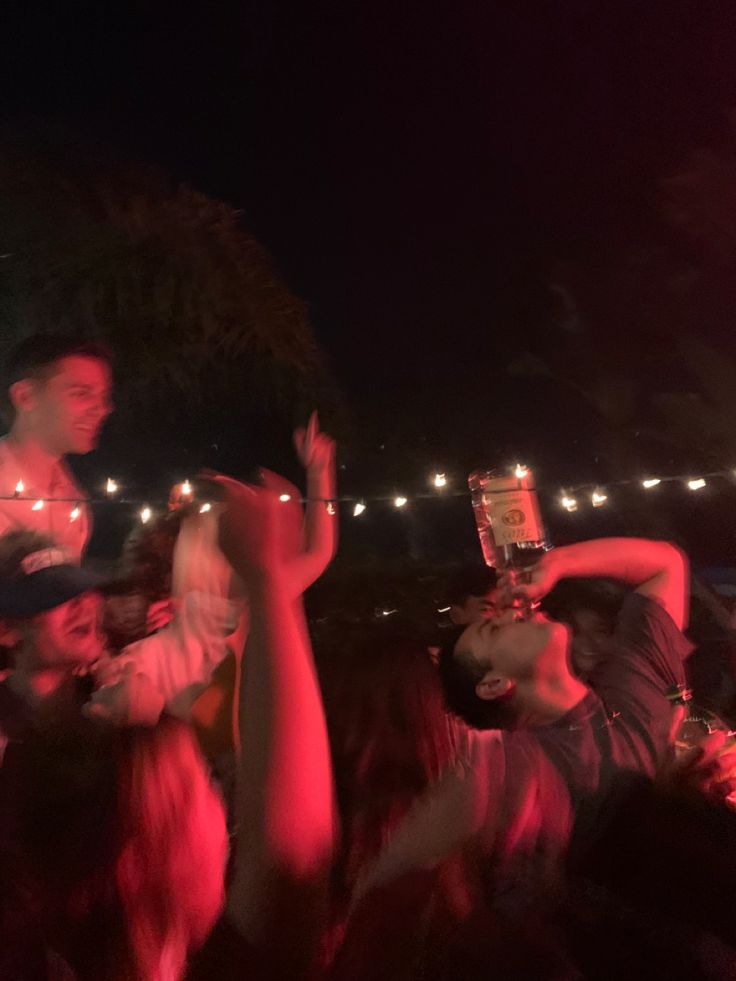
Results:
x,y
389,731
99,857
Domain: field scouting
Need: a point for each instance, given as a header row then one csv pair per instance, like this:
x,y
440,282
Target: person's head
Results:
x,y
387,724
58,391
471,594
50,609
118,858
590,608
490,669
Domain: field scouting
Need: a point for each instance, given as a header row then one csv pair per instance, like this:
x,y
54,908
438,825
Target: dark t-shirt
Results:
x,y
623,722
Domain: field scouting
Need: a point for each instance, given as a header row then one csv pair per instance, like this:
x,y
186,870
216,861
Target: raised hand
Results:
x,y
260,526
316,450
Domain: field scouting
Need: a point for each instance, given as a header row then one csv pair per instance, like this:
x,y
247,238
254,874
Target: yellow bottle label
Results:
x,y
514,516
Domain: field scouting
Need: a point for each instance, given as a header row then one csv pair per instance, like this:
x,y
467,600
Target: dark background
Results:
x,y
419,172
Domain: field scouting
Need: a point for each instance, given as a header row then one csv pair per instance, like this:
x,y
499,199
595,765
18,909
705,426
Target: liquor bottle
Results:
x,y
509,521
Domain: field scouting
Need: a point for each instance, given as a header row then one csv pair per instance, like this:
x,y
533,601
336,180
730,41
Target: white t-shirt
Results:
x,y
68,522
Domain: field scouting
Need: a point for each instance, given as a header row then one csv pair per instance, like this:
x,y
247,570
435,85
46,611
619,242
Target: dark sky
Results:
x,y
414,168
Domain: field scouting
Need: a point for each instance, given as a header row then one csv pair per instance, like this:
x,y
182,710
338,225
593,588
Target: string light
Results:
x,y
440,480
146,515
20,487
74,514
38,506
111,487
285,497
358,509
598,498
399,502
697,484
520,471
205,508
651,482
569,503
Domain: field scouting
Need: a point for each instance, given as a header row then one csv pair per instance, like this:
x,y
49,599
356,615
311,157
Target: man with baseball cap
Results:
x,y
52,613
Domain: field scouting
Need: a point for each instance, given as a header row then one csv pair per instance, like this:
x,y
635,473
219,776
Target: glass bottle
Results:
x,y
509,522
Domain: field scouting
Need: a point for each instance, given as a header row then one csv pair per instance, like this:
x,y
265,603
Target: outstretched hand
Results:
x,y
260,526
315,450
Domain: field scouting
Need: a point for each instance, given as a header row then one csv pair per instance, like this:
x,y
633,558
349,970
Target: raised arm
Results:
x,y
285,794
316,451
656,569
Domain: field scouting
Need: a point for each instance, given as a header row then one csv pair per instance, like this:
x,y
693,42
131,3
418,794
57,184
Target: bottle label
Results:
x,y
514,516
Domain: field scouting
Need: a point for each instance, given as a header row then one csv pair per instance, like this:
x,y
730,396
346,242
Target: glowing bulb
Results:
x,y
520,471
285,498
652,482
186,489
399,502
444,609
38,506
111,487
146,515
205,508
598,498
74,514
20,487
697,484
358,509
440,480
569,503
387,613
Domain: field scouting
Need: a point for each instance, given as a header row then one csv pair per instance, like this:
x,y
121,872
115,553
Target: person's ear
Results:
x,y
491,686
23,395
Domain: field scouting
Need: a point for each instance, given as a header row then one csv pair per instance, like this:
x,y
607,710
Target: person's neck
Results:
x,y
548,697
36,460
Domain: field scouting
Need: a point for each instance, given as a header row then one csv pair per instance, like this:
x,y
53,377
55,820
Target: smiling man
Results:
x,y
57,396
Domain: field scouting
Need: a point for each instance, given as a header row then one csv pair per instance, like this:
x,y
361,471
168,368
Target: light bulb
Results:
x,y
205,508
520,471
598,498
569,503
38,506
111,487
651,482
285,497
440,480
358,509
399,502
74,514
186,489
146,515
20,487
697,484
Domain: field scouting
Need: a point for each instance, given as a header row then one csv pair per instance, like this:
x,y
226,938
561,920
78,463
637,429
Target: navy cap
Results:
x,y
47,579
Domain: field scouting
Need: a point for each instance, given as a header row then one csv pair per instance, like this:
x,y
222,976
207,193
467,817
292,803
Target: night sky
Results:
x,y
415,169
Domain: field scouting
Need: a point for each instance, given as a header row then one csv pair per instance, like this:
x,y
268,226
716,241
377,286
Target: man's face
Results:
x,y
475,609
70,407
70,635
511,651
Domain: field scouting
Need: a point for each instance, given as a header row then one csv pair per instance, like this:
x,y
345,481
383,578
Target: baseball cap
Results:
x,y
46,579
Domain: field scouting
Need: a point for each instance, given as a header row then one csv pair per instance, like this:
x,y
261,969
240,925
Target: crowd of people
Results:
x,y
196,793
